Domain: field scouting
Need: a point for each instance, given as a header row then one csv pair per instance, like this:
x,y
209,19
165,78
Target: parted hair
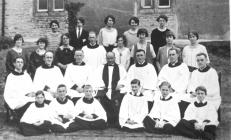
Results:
x,y
201,88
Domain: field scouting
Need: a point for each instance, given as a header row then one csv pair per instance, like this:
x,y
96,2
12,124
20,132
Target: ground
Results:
x,y
220,60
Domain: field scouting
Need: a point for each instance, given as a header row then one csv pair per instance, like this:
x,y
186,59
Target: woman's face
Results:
x,y
192,38
65,40
110,22
54,27
120,42
133,24
142,36
18,42
41,45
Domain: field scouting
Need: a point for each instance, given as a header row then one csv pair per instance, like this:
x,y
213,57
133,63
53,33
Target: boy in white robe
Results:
x,y
89,113
94,54
146,73
35,120
200,119
207,77
18,92
48,77
62,110
165,113
77,75
133,109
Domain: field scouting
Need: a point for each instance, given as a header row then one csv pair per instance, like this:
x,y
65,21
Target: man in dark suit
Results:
x,y
79,36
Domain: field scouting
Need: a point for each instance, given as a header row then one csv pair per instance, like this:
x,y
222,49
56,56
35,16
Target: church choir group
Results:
x,y
84,81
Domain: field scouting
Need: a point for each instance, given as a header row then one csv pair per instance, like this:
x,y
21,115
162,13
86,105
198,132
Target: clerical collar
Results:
x,y
162,30
110,64
200,104
169,97
17,73
204,69
81,64
45,66
90,46
39,105
178,63
66,48
87,100
141,65
137,94
62,102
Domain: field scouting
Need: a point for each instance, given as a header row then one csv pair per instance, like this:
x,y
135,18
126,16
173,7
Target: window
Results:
x,y
58,5
164,3
42,5
146,3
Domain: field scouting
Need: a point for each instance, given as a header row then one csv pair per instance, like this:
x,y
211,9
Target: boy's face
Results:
x,y
135,88
164,91
169,39
18,64
61,91
162,22
200,95
40,99
79,24
88,92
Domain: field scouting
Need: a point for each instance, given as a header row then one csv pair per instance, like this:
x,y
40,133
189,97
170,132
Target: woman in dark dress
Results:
x,y
36,57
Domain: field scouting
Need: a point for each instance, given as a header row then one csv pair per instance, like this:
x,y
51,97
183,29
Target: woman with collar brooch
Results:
x,y
200,119
165,113
65,53
133,109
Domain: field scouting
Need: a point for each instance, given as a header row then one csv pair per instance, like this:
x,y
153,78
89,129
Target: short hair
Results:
x,y
201,88
194,33
39,92
81,19
170,33
92,32
18,57
199,54
54,21
17,37
79,50
61,38
124,39
87,86
107,17
61,85
162,16
49,51
44,40
142,31
140,50
165,83
135,19
173,48
135,81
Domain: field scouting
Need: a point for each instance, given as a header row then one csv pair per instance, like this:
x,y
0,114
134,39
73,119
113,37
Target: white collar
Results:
x,y
69,47
162,30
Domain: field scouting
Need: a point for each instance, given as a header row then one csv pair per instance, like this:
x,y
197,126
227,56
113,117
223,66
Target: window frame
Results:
x,y
42,10
58,9
142,2
167,6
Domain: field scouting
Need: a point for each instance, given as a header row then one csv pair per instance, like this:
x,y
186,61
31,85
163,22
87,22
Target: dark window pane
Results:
x,y
59,4
42,4
147,2
164,2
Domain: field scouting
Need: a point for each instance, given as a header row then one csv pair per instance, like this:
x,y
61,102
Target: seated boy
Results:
x,y
165,113
200,119
62,110
134,108
89,113
35,120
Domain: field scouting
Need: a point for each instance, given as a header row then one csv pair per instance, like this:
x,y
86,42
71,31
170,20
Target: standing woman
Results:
x,y
131,34
36,57
16,51
108,34
190,51
65,53
122,53
53,37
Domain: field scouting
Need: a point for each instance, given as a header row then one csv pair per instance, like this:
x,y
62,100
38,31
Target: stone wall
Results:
x,y
0,17
21,17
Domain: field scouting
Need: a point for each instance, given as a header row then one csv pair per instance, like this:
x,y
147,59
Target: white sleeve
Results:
x,y
123,113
